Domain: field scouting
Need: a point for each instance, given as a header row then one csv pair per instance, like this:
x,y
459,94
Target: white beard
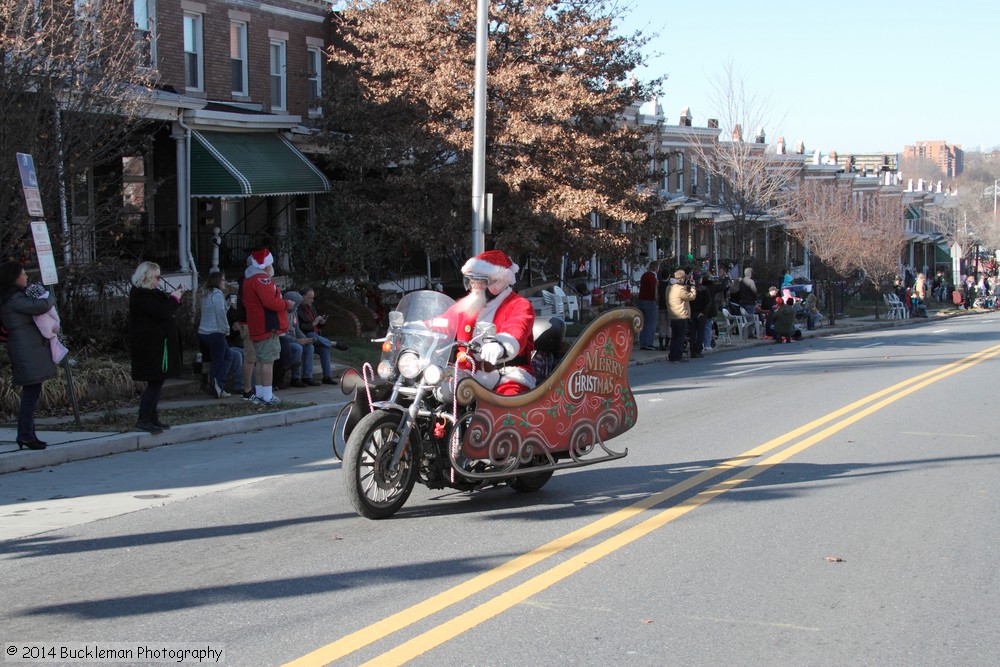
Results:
x,y
472,303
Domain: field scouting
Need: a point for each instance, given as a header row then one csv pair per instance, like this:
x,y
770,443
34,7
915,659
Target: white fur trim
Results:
x,y
489,311
518,375
268,261
510,345
478,267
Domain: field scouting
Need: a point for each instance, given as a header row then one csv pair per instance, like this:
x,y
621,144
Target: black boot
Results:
x,y
145,423
157,423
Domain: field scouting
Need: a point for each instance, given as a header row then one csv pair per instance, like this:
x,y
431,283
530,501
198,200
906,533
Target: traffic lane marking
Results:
x,y
504,601
391,624
747,370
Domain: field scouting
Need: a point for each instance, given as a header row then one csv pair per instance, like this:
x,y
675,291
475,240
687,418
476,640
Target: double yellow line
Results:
x,y
450,629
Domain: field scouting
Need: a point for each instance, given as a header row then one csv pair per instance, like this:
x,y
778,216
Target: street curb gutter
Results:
x,y
118,443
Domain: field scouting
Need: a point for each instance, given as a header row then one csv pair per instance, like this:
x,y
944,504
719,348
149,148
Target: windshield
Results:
x,y
425,305
423,332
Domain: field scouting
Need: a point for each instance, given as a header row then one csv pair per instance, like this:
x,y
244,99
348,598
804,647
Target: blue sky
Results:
x,y
849,76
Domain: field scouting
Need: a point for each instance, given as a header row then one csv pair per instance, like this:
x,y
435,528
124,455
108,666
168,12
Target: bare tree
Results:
x,y
975,219
72,86
747,181
850,230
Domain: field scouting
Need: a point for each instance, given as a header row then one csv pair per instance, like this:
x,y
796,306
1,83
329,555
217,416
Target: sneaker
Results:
x,y
272,402
248,395
329,380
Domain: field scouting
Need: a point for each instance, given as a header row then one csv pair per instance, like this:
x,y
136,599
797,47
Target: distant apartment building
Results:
x,y
867,164
949,159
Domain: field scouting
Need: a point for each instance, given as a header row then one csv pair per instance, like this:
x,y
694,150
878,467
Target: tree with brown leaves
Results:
x,y
401,114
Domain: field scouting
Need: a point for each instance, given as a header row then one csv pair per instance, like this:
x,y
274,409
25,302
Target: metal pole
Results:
x,y
479,129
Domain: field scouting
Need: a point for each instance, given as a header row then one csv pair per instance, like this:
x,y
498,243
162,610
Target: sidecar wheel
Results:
x,y
376,491
530,482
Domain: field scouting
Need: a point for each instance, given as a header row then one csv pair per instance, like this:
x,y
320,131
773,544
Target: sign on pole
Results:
x,y
43,249
29,182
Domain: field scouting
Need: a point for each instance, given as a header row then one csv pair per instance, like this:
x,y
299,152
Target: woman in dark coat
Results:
x,y
155,346
29,351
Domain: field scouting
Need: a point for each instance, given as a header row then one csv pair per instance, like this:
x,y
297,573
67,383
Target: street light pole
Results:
x,y
479,130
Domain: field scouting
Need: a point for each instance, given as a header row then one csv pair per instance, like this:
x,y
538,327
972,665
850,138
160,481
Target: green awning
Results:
x,y
245,164
942,255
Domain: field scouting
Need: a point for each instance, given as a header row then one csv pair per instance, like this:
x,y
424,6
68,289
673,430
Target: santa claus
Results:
x,y
489,277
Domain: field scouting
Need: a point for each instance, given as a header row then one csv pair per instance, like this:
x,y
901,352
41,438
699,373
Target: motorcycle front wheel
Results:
x,y
375,489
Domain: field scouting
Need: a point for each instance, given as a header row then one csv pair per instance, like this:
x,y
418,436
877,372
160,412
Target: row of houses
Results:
x,y
228,167
703,227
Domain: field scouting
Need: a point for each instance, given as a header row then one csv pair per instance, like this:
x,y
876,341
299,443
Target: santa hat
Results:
x,y
493,265
261,258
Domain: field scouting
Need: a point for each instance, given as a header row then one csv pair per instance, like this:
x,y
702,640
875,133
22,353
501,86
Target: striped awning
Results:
x,y
250,164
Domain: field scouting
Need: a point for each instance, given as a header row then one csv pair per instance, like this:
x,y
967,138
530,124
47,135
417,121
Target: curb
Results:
x,y
118,443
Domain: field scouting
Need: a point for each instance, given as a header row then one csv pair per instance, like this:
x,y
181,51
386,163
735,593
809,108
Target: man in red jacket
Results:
x,y
267,319
490,277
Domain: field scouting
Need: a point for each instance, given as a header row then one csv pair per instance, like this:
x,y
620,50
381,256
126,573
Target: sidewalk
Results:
x,y
325,400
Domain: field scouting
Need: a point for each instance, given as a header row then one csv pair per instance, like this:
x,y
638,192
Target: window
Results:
x,y
238,56
277,75
193,50
680,174
143,18
82,234
314,57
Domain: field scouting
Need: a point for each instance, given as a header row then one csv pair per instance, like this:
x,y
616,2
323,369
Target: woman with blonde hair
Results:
x,y
155,344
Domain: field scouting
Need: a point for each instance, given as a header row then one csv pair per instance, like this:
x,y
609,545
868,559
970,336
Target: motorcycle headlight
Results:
x,y
432,375
386,371
409,365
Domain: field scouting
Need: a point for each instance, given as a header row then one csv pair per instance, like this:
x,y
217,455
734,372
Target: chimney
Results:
x,y
685,120
737,133
758,135
780,148
800,148
713,123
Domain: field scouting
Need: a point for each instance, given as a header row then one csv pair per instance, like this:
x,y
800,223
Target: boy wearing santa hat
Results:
x,y
491,298
267,320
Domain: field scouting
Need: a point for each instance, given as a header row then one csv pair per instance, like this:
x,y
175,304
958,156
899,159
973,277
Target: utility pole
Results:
x,y
479,130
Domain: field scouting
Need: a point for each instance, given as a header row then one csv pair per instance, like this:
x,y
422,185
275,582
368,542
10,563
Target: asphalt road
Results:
x,y
824,503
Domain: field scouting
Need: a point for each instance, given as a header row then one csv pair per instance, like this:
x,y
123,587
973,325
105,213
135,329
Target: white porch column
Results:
x,y
179,135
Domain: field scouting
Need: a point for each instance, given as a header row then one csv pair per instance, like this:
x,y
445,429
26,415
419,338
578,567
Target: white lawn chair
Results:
x,y
571,303
895,308
755,327
735,324
558,306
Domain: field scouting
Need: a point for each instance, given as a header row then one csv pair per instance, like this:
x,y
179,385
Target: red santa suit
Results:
x,y
511,314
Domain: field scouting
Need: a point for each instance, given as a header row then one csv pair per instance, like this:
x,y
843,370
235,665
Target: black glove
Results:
x,y
340,346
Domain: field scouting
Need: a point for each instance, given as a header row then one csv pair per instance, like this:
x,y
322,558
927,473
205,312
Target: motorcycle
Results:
x,y
421,415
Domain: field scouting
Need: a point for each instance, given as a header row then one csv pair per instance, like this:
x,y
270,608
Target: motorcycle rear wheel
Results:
x,y
376,491
530,482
